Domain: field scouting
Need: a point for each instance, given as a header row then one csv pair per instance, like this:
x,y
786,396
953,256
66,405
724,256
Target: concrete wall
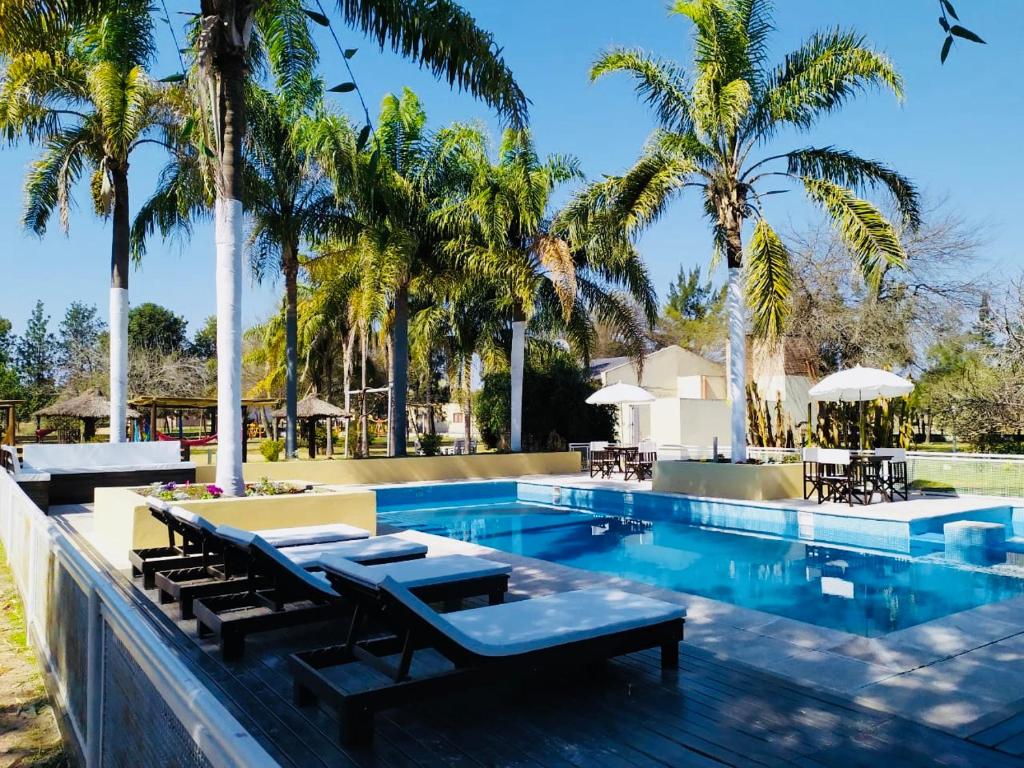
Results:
x,y
410,469
752,482
123,522
701,421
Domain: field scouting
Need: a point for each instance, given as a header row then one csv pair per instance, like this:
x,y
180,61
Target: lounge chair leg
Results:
x,y
670,654
355,725
301,695
186,608
165,598
231,646
202,630
148,579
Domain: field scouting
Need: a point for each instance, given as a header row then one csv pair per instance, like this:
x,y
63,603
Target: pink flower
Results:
x,y
213,490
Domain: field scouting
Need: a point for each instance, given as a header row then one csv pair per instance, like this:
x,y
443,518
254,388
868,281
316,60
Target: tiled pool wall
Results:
x,y
805,525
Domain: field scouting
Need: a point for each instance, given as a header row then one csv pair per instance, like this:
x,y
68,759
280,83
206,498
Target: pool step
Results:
x,y
933,541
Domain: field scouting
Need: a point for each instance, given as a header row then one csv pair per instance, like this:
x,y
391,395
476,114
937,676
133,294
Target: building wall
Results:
x,y
701,421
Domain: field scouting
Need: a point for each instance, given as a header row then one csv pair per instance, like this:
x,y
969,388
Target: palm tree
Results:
x,y
438,34
83,93
710,121
399,245
560,271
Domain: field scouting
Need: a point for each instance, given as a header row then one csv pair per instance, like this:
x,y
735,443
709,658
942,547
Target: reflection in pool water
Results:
x,y
863,593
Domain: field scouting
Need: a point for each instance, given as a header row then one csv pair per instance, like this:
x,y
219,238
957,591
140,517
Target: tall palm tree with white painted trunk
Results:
x,y
713,116
80,90
437,34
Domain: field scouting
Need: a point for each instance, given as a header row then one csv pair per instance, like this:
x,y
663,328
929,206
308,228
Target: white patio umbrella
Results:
x,y
857,384
623,394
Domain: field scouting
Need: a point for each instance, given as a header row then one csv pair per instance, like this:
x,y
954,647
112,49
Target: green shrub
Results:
x,y
555,388
430,444
271,449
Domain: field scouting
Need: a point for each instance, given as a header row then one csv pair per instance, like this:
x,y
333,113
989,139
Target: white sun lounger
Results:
x,y
284,594
555,632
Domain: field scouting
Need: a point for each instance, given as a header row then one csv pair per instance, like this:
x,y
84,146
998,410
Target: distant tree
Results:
x,y
204,345
151,326
555,413
36,356
694,315
79,349
6,342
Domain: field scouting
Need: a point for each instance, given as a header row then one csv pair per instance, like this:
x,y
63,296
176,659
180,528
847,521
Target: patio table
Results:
x,y
621,452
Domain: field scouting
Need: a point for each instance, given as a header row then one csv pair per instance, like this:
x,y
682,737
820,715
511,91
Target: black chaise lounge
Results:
x,y
434,654
289,595
234,570
201,547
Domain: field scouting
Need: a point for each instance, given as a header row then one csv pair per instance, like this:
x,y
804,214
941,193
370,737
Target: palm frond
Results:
x,y
660,83
284,29
819,77
51,177
768,281
849,170
441,36
871,239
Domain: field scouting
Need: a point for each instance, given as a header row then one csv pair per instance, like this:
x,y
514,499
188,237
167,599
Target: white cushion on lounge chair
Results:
x,y
86,469
94,457
541,622
413,574
191,518
359,550
297,571
312,534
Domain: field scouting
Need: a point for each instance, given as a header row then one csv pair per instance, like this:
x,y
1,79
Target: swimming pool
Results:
x,y
863,592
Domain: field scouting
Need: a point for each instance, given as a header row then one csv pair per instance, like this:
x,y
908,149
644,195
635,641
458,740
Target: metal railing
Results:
x,y
120,688
988,474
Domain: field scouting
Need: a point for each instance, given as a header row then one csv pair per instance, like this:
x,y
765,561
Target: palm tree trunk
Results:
x,y
291,279
119,303
468,383
518,361
227,71
735,306
364,417
400,371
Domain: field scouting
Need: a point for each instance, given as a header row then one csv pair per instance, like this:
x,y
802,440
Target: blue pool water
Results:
x,y
862,592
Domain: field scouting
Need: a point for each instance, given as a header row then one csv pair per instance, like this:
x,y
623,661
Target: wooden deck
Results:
x,y
707,713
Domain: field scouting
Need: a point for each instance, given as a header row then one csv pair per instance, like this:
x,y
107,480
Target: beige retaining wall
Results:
x,y
410,469
753,482
123,522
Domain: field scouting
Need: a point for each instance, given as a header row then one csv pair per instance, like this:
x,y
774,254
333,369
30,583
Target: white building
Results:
x,y
691,408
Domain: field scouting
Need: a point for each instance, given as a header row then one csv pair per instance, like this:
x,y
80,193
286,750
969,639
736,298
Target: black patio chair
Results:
x,y
602,463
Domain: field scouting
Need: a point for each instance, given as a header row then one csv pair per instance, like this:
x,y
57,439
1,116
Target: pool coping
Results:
x,y
956,673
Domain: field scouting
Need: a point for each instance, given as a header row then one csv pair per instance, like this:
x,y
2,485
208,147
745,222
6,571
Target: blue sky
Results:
x,y
957,135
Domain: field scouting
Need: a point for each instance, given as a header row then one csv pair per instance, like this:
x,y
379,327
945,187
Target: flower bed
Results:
x,y
205,491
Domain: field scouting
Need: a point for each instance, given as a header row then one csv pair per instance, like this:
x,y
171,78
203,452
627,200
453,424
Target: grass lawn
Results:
x,y
28,728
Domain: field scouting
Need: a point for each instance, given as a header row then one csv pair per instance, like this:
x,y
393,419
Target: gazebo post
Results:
x,y
10,428
330,438
152,422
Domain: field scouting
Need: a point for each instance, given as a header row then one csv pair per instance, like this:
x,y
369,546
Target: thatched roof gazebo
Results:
x,y
89,406
309,410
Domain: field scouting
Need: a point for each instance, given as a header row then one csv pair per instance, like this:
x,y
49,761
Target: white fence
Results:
x,y
125,698
967,473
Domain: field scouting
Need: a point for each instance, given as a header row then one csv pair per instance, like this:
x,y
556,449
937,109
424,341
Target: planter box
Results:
x,y
122,520
408,469
752,482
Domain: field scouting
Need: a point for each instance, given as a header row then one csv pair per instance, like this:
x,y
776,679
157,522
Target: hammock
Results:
x,y
190,443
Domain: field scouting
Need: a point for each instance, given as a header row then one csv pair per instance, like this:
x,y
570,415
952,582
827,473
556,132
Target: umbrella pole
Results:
x,y
862,441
